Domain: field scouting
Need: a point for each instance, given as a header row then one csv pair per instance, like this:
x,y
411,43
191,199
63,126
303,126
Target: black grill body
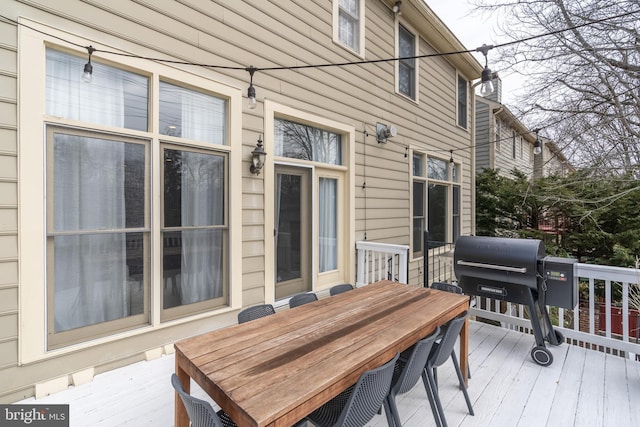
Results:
x,y
517,271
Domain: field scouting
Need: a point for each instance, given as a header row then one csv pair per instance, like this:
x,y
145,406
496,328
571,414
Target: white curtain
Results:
x,y
328,224
90,270
202,204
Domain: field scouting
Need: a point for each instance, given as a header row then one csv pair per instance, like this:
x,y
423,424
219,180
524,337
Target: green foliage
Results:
x,y
594,218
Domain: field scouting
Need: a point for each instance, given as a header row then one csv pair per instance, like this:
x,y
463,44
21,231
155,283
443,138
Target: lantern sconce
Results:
x,y
258,156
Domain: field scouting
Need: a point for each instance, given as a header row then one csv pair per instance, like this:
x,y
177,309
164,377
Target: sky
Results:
x,y
473,30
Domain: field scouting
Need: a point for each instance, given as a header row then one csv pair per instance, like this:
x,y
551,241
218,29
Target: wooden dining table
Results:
x,y
275,370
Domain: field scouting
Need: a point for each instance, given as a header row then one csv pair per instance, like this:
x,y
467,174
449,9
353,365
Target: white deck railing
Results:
x,y
378,261
600,321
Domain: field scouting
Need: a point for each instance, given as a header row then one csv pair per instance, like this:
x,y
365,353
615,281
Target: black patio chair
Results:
x,y
450,287
300,299
407,373
255,312
338,289
201,413
440,352
358,404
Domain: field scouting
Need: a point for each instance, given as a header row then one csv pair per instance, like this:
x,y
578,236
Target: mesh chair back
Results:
x,y
447,287
368,395
413,366
338,289
442,350
201,413
300,299
255,312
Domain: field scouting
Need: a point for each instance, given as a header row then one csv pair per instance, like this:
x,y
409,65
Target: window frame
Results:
x,y
453,210
360,49
420,178
79,334
345,173
35,39
414,95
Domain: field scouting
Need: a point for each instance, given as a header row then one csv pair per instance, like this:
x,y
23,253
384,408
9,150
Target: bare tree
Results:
x,y
583,79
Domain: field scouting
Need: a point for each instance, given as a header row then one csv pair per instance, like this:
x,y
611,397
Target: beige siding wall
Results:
x,y
8,199
484,137
241,33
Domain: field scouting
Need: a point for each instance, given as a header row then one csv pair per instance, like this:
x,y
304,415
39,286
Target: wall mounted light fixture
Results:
x,y
87,74
258,156
383,132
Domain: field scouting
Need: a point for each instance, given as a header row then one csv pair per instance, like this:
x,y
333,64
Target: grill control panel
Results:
x,y
560,281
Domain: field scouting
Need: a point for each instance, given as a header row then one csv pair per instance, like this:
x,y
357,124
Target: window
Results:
x,y
348,24
513,144
407,70
462,102
443,199
436,202
99,188
497,136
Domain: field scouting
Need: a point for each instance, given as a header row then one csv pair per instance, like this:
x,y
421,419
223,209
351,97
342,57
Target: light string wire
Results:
x,y
251,69
482,49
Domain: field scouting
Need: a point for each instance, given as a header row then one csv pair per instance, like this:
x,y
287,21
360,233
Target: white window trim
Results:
x,y
423,178
271,111
397,63
361,31
32,217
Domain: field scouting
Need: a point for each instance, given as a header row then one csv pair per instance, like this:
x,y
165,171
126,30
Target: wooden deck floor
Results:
x,y
581,388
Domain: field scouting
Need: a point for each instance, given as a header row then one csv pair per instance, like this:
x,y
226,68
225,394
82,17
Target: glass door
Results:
x,y
293,230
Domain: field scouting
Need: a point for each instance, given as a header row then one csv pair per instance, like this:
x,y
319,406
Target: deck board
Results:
x,y
581,387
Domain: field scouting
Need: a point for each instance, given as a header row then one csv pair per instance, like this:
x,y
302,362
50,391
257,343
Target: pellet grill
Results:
x,y
517,271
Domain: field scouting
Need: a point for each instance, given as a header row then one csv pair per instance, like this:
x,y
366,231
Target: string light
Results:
x,y
251,92
87,75
486,88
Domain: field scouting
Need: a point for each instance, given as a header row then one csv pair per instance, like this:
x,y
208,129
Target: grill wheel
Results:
x,y
541,355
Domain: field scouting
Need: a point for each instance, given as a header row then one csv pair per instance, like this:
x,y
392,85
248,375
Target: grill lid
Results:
x,y
498,259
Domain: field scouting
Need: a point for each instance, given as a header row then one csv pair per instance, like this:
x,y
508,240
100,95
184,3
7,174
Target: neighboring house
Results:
x,y
129,215
503,143
551,161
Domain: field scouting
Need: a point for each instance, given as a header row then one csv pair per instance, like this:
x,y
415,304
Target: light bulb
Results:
x,y
486,88
251,98
87,75
537,149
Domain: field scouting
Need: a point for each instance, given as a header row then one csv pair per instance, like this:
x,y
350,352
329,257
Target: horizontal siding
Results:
x,y
484,141
262,34
8,199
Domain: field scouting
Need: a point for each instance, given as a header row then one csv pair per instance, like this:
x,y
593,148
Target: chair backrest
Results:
x,y
255,312
414,365
201,413
300,299
338,289
368,395
442,350
447,287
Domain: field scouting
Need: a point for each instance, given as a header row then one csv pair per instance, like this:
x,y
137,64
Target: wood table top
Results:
x,y
277,369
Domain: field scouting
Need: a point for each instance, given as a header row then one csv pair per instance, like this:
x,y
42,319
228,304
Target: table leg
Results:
x,y
464,351
181,416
